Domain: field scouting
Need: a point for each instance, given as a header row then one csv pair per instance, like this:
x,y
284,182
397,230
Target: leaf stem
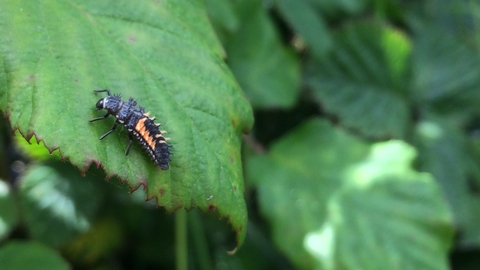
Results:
x,y
200,242
181,248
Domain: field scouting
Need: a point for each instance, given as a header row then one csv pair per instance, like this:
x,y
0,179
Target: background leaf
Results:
x,y
267,71
164,54
363,80
54,205
388,216
9,214
446,71
294,192
30,255
303,17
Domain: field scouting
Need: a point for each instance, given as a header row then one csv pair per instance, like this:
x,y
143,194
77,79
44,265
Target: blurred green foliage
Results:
x,y
364,154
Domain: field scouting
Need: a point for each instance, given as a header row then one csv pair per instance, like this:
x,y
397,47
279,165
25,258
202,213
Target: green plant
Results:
x,y
363,155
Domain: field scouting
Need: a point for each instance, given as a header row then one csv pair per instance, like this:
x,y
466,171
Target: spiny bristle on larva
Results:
x,y
163,131
147,114
158,124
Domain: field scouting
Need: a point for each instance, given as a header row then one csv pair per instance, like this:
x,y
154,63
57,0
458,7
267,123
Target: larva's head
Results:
x,y
110,103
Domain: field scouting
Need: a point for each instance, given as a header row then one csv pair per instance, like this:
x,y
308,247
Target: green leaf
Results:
x,y
163,53
333,7
443,153
54,203
34,149
268,72
387,216
308,23
446,72
364,79
222,16
9,215
30,255
302,170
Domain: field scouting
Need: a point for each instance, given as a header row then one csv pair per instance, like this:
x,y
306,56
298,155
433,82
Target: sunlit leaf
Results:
x,y
387,216
302,170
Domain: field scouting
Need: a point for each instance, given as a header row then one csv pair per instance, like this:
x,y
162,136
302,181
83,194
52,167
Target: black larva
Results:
x,y
138,123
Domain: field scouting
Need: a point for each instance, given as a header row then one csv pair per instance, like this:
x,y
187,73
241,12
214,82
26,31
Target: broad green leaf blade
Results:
x,y
334,7
164,54
443,152
9,214
30,255
223,17
57,205
308,22
268,72
301,172
388,216
446,72
363,80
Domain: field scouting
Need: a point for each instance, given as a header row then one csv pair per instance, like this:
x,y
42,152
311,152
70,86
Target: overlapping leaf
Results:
x,y
387,216
443,152
30,255
54,203
55,53
299,175
268,72
375,200
9,214
446,72
363,79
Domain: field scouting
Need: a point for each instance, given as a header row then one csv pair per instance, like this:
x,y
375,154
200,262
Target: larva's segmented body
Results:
x,y
138,123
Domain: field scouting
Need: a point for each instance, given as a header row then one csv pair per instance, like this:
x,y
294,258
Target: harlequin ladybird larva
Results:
x,y
138,123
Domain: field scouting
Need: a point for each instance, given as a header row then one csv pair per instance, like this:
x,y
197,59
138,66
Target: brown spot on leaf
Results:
x,y
161,191
212,207
31,78
232,160
234,123
132,38
234,188
76,80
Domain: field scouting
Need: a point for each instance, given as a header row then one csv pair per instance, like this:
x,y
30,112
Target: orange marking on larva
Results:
x,y
150,141
140,128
